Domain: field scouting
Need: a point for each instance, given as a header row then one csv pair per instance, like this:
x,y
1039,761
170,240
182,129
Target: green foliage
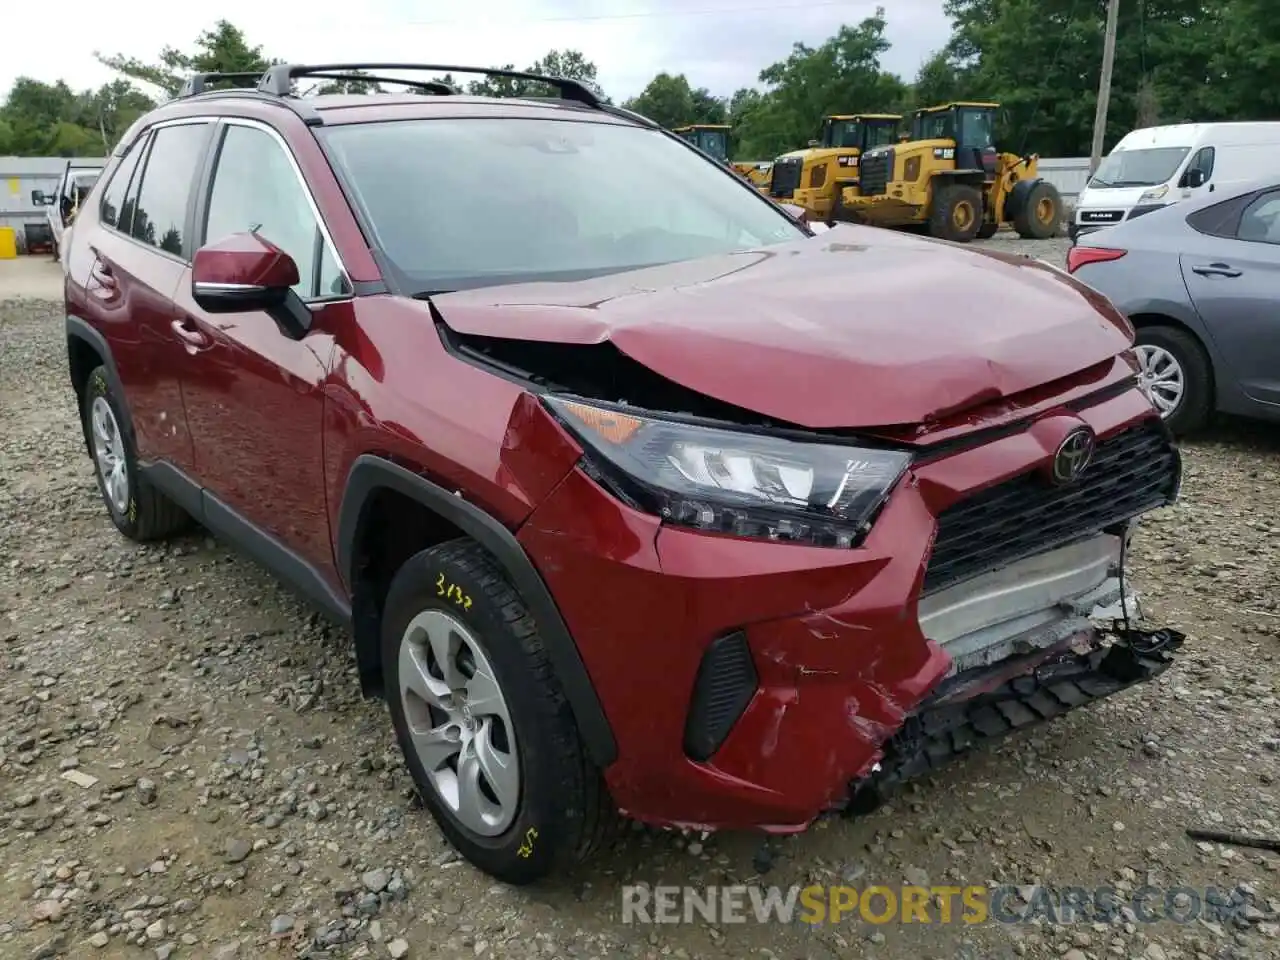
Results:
x,y
41,119
1175,60
569,64
223,49
671,102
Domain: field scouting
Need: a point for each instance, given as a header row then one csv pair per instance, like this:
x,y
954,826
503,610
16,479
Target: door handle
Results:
x,y
1216,270
189,335
101,273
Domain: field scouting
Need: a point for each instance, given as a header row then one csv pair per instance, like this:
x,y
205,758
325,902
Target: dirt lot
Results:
x,y
187,770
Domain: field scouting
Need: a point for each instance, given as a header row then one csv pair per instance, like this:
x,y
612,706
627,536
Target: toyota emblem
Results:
x,y
1073,456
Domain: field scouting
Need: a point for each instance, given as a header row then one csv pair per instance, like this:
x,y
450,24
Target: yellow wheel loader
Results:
x,y
950,178
710,138
815,177
713,140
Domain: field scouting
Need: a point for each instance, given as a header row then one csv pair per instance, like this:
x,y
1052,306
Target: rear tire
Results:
x,y
957,213
539,803
139,510
1041,214
1172,358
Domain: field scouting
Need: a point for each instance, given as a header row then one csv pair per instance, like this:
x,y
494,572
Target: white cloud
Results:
x,y
720,44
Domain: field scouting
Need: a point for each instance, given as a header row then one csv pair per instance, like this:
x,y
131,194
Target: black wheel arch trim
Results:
x,y
79,329
369,473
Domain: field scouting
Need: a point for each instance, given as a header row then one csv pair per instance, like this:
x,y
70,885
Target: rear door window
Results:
x,y
1260,222
164,197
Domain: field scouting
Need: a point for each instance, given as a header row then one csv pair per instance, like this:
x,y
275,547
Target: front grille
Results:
x,y
877,169
1101,216
1133,472
785,178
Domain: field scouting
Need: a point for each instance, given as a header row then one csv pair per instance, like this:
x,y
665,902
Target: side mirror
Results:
x,y
1196,178
245,272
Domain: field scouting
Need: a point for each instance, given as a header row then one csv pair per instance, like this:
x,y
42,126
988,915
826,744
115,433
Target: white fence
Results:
x,y
1068,174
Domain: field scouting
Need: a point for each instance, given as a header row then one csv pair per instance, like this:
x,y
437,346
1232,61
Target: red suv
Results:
x,y
636,494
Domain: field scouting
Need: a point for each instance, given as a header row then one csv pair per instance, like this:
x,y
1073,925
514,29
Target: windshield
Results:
x,y
843,133
713,142
881,134
471,202
1139,168
933,126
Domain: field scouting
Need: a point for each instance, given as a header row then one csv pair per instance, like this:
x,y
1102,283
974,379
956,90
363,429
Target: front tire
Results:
x,y
483,724
1177,372
957,213
1041,214
139,510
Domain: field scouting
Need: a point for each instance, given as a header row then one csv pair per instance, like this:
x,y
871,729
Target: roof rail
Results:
x,y
279,79
303,110
199,82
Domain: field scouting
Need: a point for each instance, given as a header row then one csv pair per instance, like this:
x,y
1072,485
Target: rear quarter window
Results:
x,y
117,187
1220,219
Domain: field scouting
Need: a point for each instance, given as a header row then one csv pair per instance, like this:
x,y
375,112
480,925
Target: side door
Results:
x,y
255,400
1234,282
139,256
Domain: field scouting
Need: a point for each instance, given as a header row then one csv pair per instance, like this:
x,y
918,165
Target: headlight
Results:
x,y
1151,196
734,482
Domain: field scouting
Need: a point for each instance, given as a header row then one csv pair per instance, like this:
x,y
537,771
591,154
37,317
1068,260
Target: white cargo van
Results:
x,y
1156,166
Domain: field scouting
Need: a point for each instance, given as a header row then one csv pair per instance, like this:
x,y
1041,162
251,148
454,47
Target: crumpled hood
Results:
x,y
857,327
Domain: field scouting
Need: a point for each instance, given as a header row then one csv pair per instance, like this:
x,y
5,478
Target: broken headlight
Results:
x,y
734,482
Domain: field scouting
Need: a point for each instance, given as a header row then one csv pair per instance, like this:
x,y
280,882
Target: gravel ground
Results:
x,y
187,769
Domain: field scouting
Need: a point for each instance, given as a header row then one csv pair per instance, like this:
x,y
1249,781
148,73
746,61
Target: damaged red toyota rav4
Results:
x,y
636,494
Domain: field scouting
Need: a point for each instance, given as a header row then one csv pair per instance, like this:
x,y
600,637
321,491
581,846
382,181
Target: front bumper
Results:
x,y
986,703
842,651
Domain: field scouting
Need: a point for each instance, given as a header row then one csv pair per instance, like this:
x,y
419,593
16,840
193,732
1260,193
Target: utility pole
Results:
x,y
1104,86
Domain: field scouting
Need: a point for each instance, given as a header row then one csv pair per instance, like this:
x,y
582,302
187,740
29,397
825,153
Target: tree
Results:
x,y
40,119
843,75
223,49
939,81
670,101
570,64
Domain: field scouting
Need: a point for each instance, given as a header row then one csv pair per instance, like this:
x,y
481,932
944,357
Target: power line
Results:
x,y
649,14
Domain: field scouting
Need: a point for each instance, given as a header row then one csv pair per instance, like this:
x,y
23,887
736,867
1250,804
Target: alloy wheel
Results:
x,y
459,722
108,454
1161,375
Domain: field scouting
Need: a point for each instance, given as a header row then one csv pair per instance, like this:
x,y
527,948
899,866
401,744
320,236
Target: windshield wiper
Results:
x,y
428,294
1096,182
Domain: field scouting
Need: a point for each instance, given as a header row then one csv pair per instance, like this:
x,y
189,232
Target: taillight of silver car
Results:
x,y
1078,257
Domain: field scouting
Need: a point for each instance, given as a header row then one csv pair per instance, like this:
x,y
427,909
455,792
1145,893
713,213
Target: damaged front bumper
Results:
x,y
984,703
748,683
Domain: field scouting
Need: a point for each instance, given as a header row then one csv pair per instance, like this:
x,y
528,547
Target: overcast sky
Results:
x,y
719,44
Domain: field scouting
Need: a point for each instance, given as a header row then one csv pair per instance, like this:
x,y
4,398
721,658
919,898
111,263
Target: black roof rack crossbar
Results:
x,y
431,86
279,79
199,82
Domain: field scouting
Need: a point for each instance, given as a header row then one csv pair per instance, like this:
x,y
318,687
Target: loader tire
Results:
x,y
1039,217
956,214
